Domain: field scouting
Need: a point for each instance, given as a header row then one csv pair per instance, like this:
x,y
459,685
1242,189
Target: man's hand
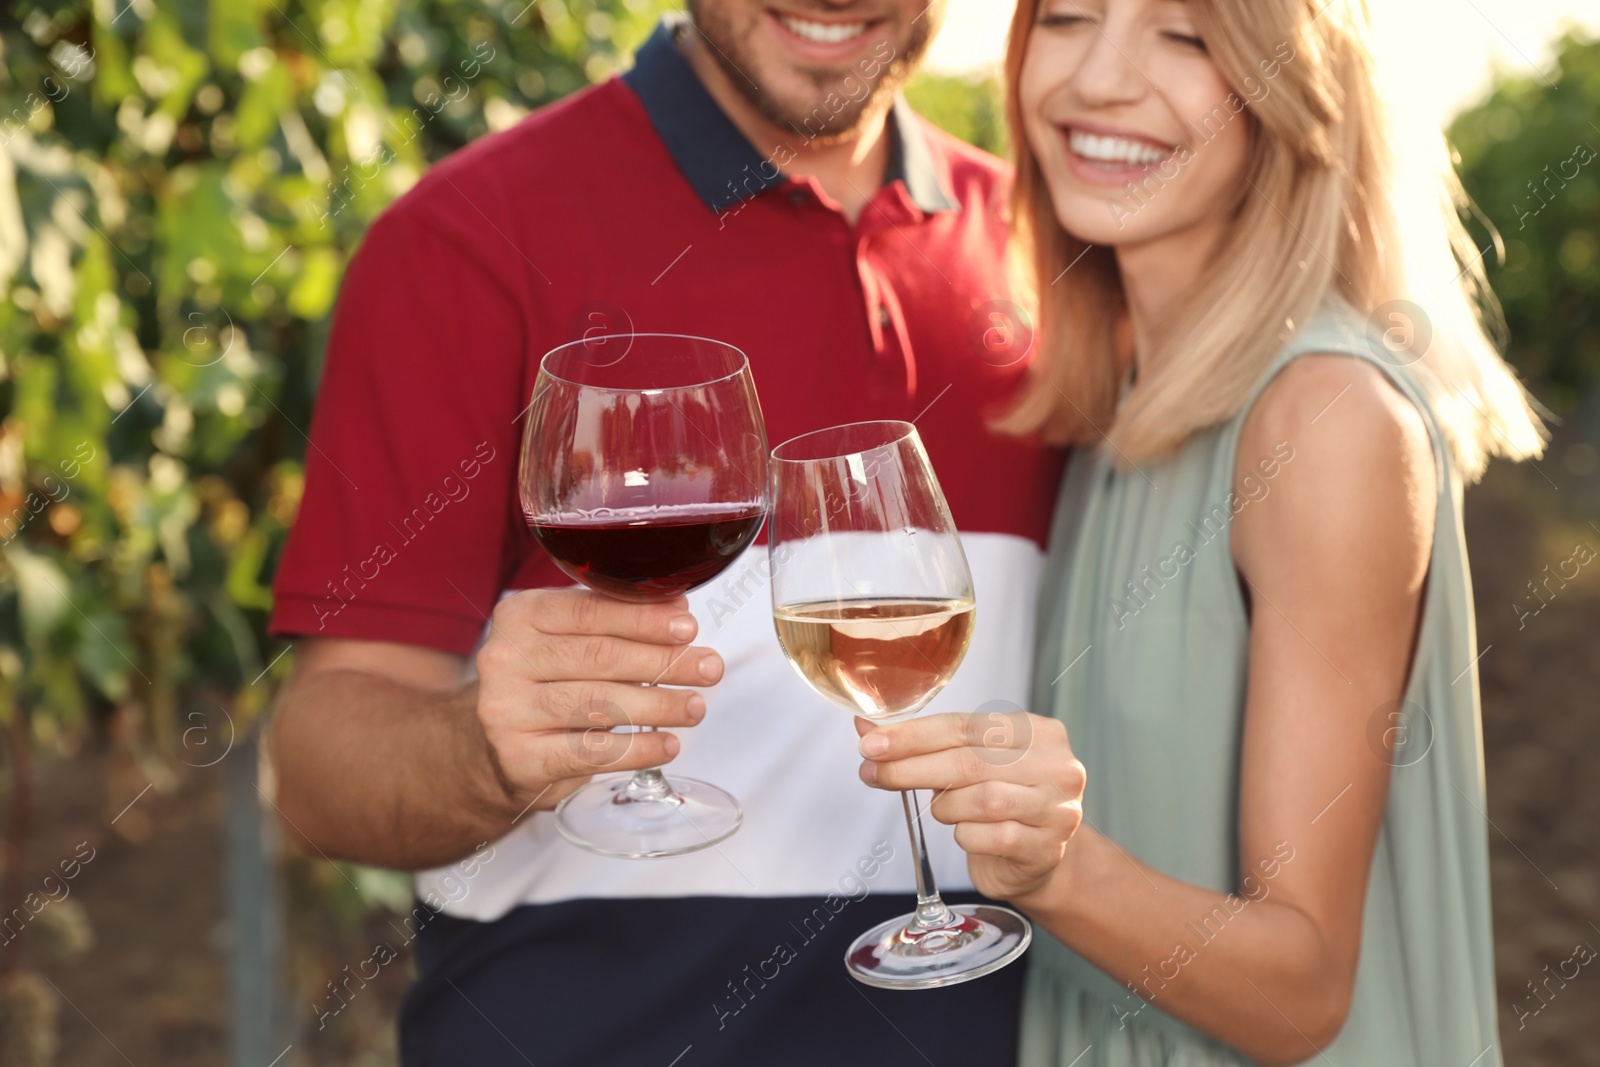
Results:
x,y
1009,784
562,668
383,757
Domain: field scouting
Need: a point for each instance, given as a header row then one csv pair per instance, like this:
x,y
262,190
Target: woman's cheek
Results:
x,y
1045,69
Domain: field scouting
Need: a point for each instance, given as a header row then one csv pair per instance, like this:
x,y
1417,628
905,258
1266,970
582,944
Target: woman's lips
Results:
x,y
1102,157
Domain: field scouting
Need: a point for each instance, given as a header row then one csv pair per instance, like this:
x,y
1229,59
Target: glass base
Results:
x,y
983,938
609,818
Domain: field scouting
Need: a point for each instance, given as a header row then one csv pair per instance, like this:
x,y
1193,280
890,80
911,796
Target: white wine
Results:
x,y
881,658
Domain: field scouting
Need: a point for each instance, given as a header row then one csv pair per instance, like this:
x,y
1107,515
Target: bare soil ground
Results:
x,y
1541,730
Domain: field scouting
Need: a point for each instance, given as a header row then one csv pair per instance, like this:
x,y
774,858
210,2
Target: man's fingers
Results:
x,y
531,762
588,705
614,659
596,751
543,658
578,611
547,796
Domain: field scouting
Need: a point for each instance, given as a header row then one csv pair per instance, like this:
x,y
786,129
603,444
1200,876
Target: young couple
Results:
x,y
1212,507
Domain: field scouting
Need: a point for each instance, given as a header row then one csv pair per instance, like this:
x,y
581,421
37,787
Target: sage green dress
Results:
x,y
1150,680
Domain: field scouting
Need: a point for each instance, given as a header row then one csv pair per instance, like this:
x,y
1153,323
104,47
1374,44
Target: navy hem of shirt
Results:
x,y
717,981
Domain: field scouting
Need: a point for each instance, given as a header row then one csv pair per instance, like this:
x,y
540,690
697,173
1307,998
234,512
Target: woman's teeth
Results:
x,y
1121,150
823,32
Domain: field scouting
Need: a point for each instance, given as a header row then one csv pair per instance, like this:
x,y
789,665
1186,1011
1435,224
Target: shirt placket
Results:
x,y
892,374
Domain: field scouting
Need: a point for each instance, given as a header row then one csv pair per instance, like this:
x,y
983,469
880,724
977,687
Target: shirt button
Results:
x,y
798,198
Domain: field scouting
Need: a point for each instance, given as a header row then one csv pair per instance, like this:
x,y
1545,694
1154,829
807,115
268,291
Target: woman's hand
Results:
x,y
1008,783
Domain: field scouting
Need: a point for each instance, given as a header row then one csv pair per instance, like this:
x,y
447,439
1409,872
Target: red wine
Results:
x,y
651,553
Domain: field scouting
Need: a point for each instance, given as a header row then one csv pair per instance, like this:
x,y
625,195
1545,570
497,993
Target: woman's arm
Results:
x,y
1333,563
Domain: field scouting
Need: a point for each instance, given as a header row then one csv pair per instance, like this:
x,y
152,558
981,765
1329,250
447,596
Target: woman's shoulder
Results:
x,y
1337,395
1363,461
1342,369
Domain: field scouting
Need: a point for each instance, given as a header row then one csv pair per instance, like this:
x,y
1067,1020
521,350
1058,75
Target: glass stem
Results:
x,y
931,912
650,783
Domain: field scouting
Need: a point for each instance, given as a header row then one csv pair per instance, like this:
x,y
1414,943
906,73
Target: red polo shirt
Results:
x,y
588,216
638,205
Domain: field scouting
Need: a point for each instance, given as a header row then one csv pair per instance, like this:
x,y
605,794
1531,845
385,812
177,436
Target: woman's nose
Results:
x,y
1108,73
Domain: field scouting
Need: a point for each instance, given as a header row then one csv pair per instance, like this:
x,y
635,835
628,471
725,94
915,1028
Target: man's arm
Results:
x,y
384,757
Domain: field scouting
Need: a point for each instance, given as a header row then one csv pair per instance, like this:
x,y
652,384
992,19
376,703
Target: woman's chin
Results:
x,y
1094,221
1100,220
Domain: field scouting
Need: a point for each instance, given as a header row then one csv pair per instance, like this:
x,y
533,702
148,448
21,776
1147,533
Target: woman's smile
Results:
x,y
1103,155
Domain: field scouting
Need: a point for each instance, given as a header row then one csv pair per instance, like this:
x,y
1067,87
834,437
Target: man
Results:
x,y
754,178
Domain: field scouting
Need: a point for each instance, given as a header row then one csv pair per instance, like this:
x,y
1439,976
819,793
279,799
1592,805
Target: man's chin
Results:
x,y
818,124
821,109
820,101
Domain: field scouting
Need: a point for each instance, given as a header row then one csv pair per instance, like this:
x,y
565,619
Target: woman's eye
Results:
x,y
1060,21
1187,40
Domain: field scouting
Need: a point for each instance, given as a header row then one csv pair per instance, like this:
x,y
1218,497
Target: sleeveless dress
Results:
x,y
1147,668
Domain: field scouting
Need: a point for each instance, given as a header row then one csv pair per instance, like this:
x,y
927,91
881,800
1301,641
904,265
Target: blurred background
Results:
x,y
181,185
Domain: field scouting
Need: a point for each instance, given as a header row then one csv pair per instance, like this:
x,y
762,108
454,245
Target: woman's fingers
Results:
x,y
1008,783
995,801
1006,736
1027,846
958,767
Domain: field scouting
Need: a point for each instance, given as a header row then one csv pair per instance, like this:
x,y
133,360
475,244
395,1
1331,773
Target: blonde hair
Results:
x,y
1322,213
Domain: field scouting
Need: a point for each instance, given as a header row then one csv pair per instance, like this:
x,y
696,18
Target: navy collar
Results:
x,y
720,163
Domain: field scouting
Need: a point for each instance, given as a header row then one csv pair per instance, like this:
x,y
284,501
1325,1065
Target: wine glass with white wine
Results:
x,y
874,607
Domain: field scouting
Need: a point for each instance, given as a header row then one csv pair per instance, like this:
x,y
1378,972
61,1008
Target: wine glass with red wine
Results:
x,y
874,607
644,475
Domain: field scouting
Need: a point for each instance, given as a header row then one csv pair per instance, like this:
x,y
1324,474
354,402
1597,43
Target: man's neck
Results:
x,y
850,170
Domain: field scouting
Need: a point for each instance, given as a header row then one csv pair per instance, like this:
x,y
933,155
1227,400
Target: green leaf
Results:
x,y
43,600
183,66
263,101
244,573
234,28
113,81
312,294
35,400
105,654
196,224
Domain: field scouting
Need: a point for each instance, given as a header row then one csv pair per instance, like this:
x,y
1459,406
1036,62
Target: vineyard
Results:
x,y
181,185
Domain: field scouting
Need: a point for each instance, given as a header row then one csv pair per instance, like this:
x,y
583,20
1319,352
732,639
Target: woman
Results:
x,y
1257,623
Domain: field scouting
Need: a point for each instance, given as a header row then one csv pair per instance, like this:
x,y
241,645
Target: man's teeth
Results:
x,y
823,32
1115,149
